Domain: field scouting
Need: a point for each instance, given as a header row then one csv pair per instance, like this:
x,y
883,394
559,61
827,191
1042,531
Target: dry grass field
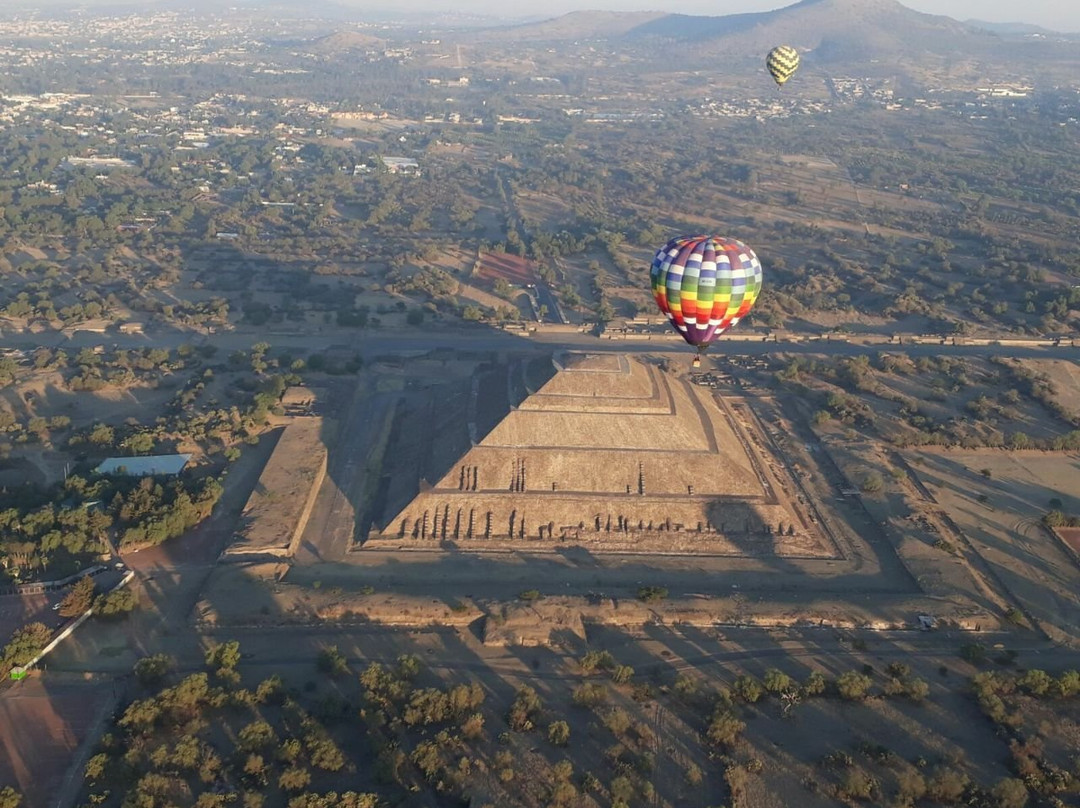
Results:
x,y
997,499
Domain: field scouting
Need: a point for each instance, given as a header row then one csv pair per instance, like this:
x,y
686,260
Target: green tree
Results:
x,y
25,644
225,655
152,669
79,598
95,768
294,779
256,736
115,604
10,798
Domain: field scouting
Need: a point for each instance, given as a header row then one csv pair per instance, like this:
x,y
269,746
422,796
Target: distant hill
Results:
x,y
340,41
1007,28
579,25
833,30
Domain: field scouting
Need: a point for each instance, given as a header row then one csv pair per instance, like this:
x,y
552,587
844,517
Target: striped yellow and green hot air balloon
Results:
x,y
705,285
782,62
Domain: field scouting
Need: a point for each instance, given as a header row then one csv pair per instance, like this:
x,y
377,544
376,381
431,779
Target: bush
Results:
x,y
524,710
597,660
973,652
857,785
590,694
294,779
1014,616
559,733
152,669
916,689
1035,682
947,786
911,786
815,684
617,721
747,688
530,595
1010,793
872,482
652,594
853,686
724,728
776,681
332,662
622,674
225,655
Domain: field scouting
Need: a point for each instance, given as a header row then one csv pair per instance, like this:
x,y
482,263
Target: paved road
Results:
x,y
484,339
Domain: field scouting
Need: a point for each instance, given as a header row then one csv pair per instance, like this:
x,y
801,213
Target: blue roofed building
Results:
x,y
146,466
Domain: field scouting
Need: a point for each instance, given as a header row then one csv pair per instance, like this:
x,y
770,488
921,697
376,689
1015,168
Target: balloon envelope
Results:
x,y
782,62
705,285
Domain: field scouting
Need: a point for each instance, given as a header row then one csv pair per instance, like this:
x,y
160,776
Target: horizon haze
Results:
x,y
1050,14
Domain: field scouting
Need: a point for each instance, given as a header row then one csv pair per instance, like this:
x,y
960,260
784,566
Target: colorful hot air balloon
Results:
x,y
782,62
704,285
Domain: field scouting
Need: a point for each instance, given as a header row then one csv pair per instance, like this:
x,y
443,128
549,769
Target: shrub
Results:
x,y
473,726
559,733
724,728
776,681
916,689
747,688
332,662
617,721
597,660
947,785
1035,682
911,786
294,779
1010,793
590,694
622,674
524,710
853,686
898,669
152,669
815,684
973,652
857,785
652,594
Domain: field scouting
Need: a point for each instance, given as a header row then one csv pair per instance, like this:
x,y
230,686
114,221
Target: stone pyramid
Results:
x,y
612,452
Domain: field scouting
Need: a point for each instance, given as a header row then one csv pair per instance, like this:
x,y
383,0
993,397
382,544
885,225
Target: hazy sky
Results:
x,y
1058,15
